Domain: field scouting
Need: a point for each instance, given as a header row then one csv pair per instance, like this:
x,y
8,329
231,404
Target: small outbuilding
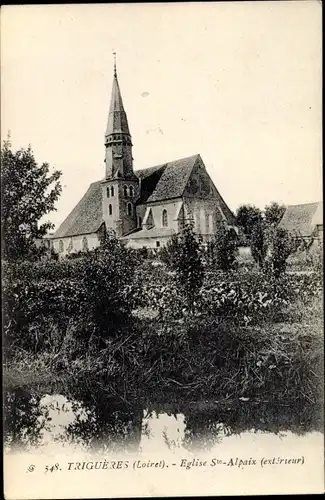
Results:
x,y
304,220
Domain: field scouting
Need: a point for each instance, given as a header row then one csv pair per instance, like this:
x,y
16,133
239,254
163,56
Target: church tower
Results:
x,y
120,188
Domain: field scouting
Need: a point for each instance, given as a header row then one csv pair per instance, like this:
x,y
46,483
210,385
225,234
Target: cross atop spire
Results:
x,y
117,120
114,54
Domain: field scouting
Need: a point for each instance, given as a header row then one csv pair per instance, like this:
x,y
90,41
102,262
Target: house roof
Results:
x,y
87,215
318,215
302,219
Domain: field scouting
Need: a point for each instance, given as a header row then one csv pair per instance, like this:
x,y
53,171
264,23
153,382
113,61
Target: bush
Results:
x,y
249,300
168,253
259,244
225,246
242,296
95,291
188,264
231,344
282,245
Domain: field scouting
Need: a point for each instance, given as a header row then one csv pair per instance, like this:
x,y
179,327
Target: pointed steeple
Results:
x,y
118,143
117,119
120,188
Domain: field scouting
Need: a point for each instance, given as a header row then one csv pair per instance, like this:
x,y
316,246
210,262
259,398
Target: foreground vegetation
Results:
x,y
215,335
151,329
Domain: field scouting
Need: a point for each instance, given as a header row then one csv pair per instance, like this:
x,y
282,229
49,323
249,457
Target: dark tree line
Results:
x,y
270,244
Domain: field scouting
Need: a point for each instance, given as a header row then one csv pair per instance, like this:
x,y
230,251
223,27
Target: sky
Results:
x,y
239,82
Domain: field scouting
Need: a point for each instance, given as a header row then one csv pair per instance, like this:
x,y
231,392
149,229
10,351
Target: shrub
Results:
x,y
188,264
94,291
254,297
259,244
168,253
225,246
282,245
241,303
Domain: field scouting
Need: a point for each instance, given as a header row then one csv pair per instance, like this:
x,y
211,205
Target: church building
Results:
x,y
143,207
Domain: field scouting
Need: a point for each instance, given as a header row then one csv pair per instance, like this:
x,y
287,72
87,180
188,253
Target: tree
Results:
x,y
29,191
225,246
188,264
273,213
282,245
247,217
259,243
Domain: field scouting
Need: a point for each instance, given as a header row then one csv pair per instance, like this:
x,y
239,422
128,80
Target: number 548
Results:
x,y
51,468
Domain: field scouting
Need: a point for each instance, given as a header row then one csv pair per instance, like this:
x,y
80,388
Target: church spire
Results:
x,y
118,143
117,120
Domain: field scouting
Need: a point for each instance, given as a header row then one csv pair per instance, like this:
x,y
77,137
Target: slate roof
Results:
x,y
117,120
302,219
86,217
149,178
173,177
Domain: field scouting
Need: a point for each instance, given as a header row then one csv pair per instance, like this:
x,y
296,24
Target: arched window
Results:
x,y
164,218
125,189
84,244
202,221
131,191
107,192
110,209
70,246
61,246
210,223
129,208
196,222
112,191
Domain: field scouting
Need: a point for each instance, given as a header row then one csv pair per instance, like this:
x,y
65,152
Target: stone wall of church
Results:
x,y
154,243
205,215
127,207
202,202
157,209
73,244
140,211
118,204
